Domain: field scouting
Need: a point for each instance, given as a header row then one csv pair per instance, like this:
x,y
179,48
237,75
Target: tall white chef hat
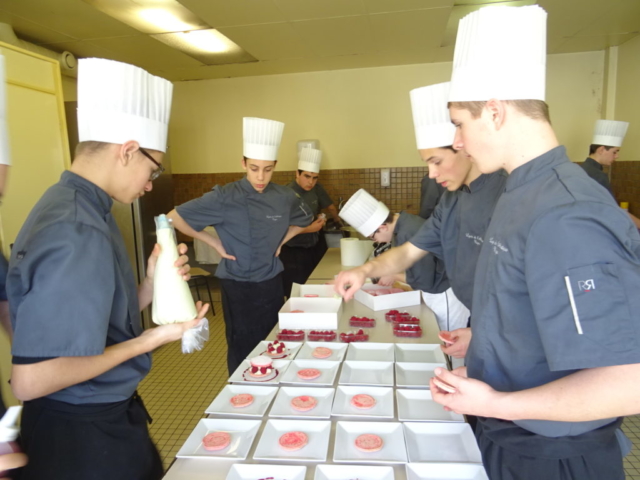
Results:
x,y
431,116
262,138
5,151
310,159
609,133
500,53
119,102
308,143
364,213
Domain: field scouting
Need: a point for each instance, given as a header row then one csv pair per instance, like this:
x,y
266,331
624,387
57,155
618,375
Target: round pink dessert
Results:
x,y
304,403
216,441
322,352
292,441
241,400
369,443
363,401
309,373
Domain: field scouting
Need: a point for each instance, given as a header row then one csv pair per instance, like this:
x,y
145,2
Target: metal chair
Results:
x,y
199,278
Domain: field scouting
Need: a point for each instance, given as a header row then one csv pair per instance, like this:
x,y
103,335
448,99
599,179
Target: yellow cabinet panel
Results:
x,y
29,70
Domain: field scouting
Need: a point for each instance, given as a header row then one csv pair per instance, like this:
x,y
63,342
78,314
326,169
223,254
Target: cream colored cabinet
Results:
x,y
39,150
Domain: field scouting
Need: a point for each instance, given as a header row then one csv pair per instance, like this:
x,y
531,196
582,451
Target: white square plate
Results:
x,y
262,397
373,352
242,471
242,434
342,472
445,471
367,373
418,406
238,377
441,442
415,375
393,448
419,352
290,354
328,372
338,351
383,408
282,405
318,432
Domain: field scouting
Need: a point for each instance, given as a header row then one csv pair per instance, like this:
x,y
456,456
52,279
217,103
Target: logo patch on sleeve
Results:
x,y
586,285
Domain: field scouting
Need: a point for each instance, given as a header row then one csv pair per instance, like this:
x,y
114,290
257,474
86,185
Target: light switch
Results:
x,y
385,177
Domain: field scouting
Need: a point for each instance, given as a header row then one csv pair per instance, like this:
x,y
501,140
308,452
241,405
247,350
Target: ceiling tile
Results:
x,y
314,9
622,18
416,30
85,49
337,36
568,17
28,30
230,13
269,42
384,6
586,44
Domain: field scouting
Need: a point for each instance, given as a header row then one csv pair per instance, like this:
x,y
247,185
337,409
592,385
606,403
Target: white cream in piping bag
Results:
x,y
172,300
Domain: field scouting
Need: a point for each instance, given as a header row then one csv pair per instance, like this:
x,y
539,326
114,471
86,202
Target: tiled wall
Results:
x,y
403,194
625,182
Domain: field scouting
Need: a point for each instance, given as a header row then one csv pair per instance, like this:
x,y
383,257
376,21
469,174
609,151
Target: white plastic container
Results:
x,y
172,300
9,433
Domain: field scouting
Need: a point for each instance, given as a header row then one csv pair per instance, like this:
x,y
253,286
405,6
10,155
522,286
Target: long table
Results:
x,y
218,468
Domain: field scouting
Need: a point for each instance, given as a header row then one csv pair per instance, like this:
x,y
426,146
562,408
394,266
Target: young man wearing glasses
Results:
x,y
79,351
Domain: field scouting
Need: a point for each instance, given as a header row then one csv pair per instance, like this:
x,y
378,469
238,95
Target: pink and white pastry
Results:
x,y
276,349
369,442
363,401
261,366
216,441
309,373
304,403
241,400
293,441
322,352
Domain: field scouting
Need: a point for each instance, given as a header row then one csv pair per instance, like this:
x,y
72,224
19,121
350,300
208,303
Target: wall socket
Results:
x,y
385,177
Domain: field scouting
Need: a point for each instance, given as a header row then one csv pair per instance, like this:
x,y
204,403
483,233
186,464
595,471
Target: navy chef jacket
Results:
x,y
316,199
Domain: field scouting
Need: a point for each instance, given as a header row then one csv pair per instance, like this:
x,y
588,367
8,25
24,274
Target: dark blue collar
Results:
x,y
536,167
93,193
592,163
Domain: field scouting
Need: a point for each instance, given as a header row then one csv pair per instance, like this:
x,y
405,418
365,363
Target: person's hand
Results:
x,y
456,342
387,280
348,282
164,334
317,225
181,262
464,395
216,243
12,460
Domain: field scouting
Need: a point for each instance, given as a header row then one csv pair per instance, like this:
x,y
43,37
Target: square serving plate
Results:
x,y
419,352
393,448
243,471
282,404
242,434
262,398
383,408
328,372
318,432
237,376
361,472
337,355
372,352
445,471
415,375
418,406
367,373
441,442
293,348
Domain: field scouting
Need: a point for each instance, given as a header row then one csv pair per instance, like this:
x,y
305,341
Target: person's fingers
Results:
x,y
182,249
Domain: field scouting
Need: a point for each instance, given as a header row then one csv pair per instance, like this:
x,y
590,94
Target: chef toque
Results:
x,y
500,53
310,159
431,116
262,138
119,102
5,151
307,143
364,213
609,133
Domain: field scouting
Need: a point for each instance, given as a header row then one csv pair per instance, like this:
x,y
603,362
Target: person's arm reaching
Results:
x,y
292,232
180,224
393,261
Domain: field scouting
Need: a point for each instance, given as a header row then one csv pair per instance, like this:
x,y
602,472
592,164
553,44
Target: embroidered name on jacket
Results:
x,y
497,246
275,218
477,239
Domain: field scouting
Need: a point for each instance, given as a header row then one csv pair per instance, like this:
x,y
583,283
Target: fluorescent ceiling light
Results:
x,y
164,20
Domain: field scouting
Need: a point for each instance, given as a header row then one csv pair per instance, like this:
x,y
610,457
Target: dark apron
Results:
x,y
250,313
513,453
298,264
88,442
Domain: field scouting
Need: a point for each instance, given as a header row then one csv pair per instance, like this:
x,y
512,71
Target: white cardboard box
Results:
x,y
319,313
324,291
387,302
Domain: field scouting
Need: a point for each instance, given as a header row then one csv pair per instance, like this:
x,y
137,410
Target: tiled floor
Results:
x,y
180,387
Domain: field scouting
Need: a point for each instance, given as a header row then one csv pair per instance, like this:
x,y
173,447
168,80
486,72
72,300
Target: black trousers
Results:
x,y
602,460
250,313
88,442
298,264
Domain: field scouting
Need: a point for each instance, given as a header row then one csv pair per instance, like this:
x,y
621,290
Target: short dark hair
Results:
x,y
593,147
535,109
90,147
300,172
389,219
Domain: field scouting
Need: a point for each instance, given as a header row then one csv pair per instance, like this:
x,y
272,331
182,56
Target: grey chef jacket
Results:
x,y
456,230
428,273
595,171
72,291
548,226
316,199
250,225
430,193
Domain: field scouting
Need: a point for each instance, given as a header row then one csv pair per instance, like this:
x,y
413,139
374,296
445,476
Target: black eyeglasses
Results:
x,y
373,235
158,171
